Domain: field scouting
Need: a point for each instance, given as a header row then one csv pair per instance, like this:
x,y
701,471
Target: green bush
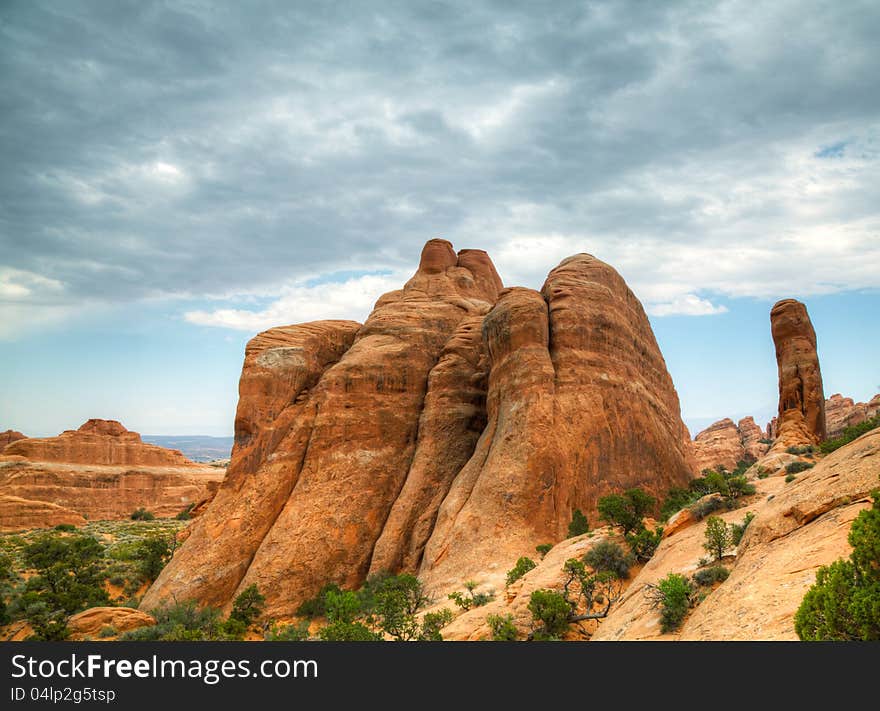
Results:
x,y
544,549
65,527
432,623
469,598
676,499
701,509
789,478
643,544
674,598
181,622
797,467
298,632
849,434
503,628
708,576
108,631
247,607
552,610
142,514
185,514
315,607
523,566
626,510
608,557
718,537
805,449
844,603
737,530
154,553
348,632
578,525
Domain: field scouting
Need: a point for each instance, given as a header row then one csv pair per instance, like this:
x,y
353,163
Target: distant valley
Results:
x,y
198,448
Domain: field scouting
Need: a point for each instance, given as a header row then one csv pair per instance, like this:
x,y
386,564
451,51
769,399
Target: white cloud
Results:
x,y
687,305
352,299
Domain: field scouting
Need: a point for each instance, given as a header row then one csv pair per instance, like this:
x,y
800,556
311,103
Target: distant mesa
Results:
x,y
99,471
459,425
96,442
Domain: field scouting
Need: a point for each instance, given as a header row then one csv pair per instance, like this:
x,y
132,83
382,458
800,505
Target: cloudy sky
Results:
x,y
176,176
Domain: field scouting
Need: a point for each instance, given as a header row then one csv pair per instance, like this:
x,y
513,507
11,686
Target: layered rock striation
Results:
x,y
459,427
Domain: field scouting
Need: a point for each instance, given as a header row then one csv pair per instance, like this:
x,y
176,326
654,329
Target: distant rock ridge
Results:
x,y
454,430
99,471
724,444
96,442
842,412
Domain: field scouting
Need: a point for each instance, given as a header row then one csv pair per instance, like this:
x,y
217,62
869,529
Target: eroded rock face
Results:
x,y
724,444
89,623
8,437
798,527
801,418
97,442
842,412
18,514
459,427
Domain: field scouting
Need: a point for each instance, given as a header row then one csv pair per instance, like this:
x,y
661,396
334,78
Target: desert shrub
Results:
x,y
316,607
432,623
181,622
68,578
718,537
543,549
5,567
708,576
763,473
523,566
643,544
676,499
608,557
393,604
764,440
788,479
626,510
185,514
552,611
65,527
247,607
797,467
348,632
503,628
805,449
117,580
154,553
298,632
849,434
844,603
738,486
701,509
578,525
737,530
108,631
142,514
673,596
469,598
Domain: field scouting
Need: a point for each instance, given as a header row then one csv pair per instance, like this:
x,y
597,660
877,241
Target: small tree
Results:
x,y
608,557
844,603
503,628
718,536
142,514
523,566
673,595
626,510
248,606
578,525
432,623
543,549
470,599
154,554
552,610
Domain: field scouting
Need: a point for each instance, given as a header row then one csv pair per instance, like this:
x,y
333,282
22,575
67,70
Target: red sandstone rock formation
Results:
x,y
97,442
842,412
723,444
8,437
801,418
101,471
434,438
19,514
